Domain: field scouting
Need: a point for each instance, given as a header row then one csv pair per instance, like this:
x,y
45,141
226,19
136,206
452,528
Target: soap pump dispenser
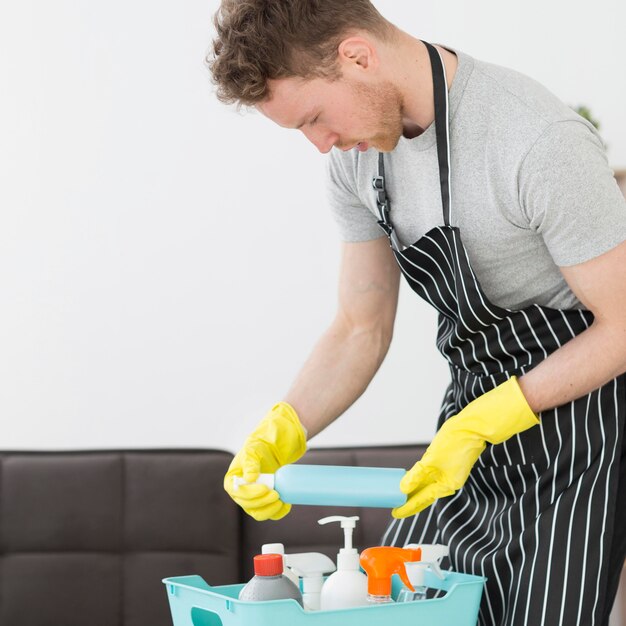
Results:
x,y
347,587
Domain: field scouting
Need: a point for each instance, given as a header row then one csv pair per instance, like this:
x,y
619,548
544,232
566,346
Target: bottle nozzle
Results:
x,y
347,523
263,479
381,562
432,554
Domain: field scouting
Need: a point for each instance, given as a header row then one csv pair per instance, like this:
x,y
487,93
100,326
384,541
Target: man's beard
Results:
x,y
383,107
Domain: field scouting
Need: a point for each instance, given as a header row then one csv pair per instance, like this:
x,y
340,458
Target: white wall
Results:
x,y
166,264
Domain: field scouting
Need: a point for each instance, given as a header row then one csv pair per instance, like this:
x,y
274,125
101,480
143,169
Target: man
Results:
x,y
497,205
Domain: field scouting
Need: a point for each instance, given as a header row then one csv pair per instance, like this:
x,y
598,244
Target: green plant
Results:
x,y
585,112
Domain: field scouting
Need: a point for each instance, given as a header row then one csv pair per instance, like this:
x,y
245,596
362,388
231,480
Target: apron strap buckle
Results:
x,y
378,182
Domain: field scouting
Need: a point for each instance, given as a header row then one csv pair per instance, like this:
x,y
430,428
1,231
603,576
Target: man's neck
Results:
x,y
414,79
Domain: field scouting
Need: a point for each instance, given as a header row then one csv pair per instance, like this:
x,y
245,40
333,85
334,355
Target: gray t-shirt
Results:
x,y
531,188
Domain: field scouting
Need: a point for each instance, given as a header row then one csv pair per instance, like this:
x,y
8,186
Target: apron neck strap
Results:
x,y
440,90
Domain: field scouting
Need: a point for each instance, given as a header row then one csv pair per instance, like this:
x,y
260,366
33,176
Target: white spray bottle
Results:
x,y
416,571
347,587
311,567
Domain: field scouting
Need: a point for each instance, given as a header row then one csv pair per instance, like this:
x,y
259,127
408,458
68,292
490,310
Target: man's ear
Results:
x,y
357,53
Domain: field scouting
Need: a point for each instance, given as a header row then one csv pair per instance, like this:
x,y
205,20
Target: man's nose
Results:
x,y
323,140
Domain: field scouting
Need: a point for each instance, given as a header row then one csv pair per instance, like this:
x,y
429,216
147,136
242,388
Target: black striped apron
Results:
x,y
537,516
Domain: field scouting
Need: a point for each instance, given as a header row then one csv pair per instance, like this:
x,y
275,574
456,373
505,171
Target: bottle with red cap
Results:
x,y
268,582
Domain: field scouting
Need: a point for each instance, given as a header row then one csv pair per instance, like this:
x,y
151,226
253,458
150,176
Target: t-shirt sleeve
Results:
x,y
569,194
354,220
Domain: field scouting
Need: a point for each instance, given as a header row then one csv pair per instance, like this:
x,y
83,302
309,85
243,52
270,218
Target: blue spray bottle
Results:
x,y
333,485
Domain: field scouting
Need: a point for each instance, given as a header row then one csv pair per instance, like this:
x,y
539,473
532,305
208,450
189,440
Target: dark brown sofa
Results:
x,y
86,537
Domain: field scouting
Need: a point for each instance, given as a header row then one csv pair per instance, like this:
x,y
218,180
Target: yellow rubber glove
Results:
x,y
494,417
278,440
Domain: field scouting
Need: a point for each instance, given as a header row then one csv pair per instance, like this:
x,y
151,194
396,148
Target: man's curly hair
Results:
x,y
261,40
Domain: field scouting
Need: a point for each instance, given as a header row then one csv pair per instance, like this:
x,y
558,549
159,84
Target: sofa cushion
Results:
x,y
61,503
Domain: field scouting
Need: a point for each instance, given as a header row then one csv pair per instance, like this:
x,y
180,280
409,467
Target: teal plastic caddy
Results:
x,y
193,602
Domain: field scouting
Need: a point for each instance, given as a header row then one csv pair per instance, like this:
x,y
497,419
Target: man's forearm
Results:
x,y
582,365
336,373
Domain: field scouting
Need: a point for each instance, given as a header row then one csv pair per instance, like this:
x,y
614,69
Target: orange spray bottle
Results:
x,y
380,563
